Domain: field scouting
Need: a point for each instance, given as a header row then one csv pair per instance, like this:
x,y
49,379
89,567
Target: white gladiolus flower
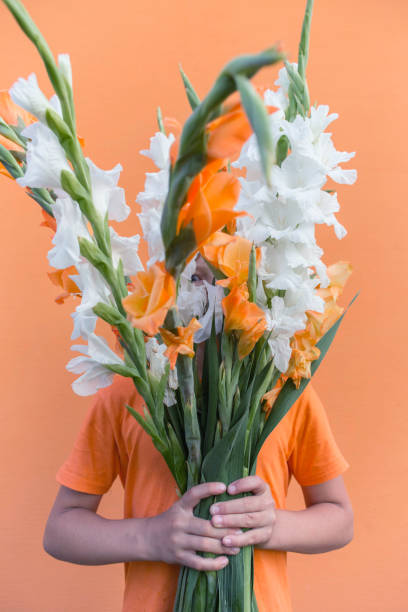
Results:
x,y
152,199
94,289
157,365
215,294
297,176
282,326
150,222
95,376
107,196
320,119
125,248
159,150
27,94
280,97
156,188
330,159
71,224
45,158
64,64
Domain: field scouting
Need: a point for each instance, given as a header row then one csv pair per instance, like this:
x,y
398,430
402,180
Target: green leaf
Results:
x,y
61,130
179,459
123,370
160,120
193,98
183,244
8,161
282,148
252,278
73,187
94,255
259,120
289,394
304,40
211,365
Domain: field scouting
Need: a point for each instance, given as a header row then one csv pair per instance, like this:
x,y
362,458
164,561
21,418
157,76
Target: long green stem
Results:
x,y
192,432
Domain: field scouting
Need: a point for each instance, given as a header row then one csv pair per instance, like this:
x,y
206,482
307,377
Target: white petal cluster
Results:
x,y
45,158
157,365
106,195
282,217
91,364
200,301
27,94
125,248
71,224
154,195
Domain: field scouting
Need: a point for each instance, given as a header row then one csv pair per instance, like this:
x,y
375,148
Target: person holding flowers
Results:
x,y
204,407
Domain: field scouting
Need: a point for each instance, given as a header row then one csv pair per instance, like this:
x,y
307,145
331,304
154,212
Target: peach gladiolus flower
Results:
x,y
154,293
60,278
230,254
303,342
244,317
181,342
210,201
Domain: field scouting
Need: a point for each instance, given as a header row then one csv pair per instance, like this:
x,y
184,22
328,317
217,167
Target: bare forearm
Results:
x,y
84,537
317,529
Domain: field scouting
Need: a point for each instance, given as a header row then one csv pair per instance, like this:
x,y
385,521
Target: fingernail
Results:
x,y
217,520
221,487
224,562
227,541
238,531
232,488
214,509
235,551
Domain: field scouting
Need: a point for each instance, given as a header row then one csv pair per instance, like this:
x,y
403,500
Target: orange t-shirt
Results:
x,y
111,442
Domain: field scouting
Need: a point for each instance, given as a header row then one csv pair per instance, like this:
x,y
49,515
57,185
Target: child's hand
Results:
x,y
176,535
256,512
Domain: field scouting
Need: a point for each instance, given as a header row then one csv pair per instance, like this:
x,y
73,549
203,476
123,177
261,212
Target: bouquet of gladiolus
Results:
x,y
238,191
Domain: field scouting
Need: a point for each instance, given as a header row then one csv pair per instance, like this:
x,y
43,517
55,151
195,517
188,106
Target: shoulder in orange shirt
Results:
x,y
110,443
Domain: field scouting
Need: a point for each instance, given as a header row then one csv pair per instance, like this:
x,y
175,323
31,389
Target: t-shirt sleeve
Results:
x,y
93,463
315,456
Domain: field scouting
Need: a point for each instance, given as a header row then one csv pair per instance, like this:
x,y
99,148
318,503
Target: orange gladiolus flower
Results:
x,y
244,317
49,221
270,397
228,132
230,254
180,343
303,342
210,201
60,278
154,294
9,111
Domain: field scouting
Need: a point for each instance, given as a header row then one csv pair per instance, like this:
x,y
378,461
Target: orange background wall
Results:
x,y
125,60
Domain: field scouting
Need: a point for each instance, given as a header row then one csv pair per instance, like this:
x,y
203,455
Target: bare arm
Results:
x,y
76,533
325,524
